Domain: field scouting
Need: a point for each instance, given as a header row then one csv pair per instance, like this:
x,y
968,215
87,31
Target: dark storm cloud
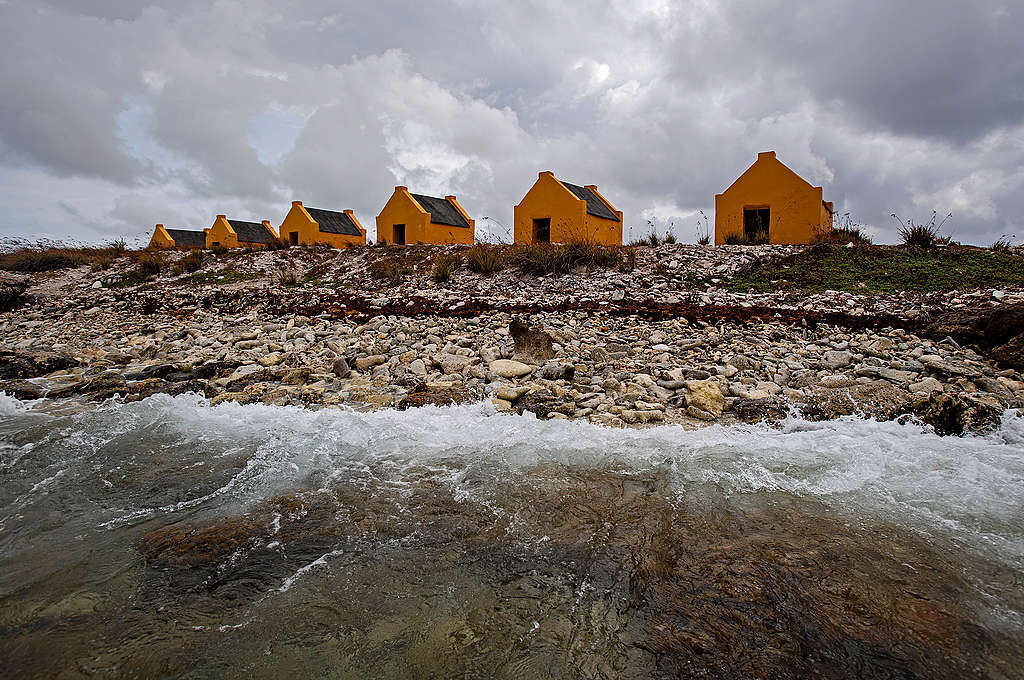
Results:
x,y
941,68
132,113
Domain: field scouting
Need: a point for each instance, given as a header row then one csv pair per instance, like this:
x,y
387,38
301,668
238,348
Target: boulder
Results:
x,y
1010,354
706,396
958,414
987,328
533,345
340,368
436,394
757,410
364,363
32,365
453,363
835,359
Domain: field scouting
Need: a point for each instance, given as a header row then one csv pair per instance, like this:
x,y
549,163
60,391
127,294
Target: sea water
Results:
x,y
169,538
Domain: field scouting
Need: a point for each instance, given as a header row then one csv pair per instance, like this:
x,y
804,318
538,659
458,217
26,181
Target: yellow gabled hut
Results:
x,y
416,218
177,238
555,211
304,226
237,233
771,203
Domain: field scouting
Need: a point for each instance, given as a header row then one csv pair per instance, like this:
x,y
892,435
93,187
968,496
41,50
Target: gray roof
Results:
x,y
251,232
595,206
187,237
333,222
441,211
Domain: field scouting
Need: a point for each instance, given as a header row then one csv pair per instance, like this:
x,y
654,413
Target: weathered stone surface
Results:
x,y
364,363
340,368
533,345
926,386
837,359
988,327
453,363
1011,353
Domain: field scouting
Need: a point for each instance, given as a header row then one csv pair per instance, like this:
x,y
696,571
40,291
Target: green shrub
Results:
x,y
219,250
922,236
736,239
444,265
844,235
703,230
484,260
278,244
150,264
102,263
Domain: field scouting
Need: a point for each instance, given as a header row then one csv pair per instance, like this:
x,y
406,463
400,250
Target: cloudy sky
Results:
x,y
117,114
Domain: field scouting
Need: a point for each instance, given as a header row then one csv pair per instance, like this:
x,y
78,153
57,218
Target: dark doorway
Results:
x,y
398,234
755,224
542,230
293,238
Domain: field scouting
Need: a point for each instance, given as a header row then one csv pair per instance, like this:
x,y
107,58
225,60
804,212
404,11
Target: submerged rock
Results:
x,y
33,364
444,394
959,414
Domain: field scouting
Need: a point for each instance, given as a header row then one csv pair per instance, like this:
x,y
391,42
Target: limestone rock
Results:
x,y
706,396
364,363
508,368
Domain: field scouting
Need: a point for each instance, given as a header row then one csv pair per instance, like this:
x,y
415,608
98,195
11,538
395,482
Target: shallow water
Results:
x,y
166,538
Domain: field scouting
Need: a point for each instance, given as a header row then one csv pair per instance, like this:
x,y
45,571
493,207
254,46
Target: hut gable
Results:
x,y
232,233
771,203
177,238
416,218
556,211
311,226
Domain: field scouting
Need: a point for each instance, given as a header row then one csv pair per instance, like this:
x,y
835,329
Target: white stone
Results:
x,y
507,368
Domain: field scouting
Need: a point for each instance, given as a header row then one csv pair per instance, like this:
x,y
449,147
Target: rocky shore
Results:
x,y
662,341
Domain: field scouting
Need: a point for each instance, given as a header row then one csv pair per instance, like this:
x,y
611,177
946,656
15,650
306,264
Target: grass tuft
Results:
x,y
190,263
389,270
444,265
545,258
484,259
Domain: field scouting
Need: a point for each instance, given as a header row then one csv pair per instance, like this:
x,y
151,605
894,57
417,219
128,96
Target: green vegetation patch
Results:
x,y
880,269
218,278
